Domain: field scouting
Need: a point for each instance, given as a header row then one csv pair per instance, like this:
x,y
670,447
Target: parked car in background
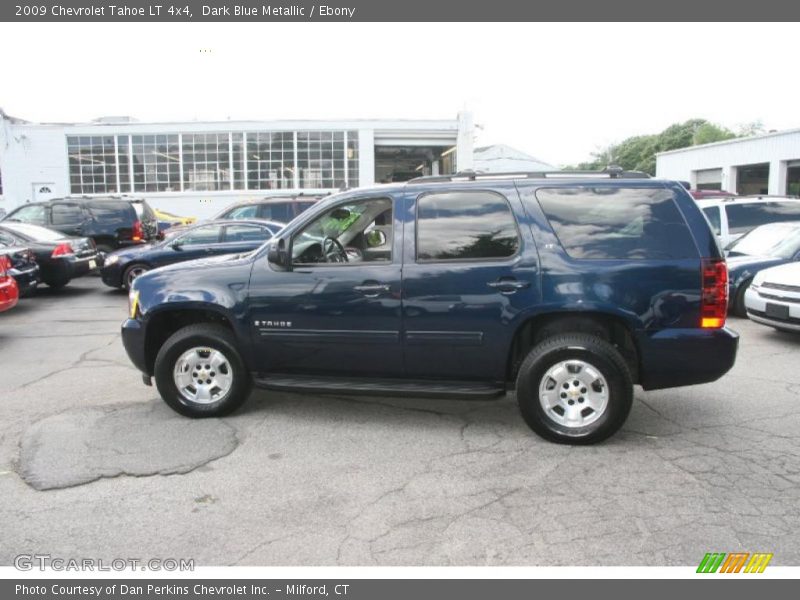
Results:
x,y
278,209
9,292
774,297
704,194
110,221
23,267
765,246
732,217
122,267
60,258
568,287
167,220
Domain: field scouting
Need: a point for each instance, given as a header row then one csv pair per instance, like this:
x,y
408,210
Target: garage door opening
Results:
x,y
793,180
401,163
752,179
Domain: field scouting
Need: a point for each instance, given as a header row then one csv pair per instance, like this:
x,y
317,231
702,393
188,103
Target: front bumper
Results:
x,y
133,340
756,300
677,357
111,274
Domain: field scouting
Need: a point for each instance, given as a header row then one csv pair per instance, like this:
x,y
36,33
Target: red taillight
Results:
x,y
62,250
138,232
5,265
714,301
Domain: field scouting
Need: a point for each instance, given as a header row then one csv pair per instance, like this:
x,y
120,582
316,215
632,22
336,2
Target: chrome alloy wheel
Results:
x,y
573,393
203,375
133,273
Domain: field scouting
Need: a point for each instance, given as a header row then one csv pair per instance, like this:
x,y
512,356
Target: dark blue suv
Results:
x,y
568,288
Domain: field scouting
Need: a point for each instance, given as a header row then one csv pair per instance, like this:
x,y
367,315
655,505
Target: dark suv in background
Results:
x,y
566,287
110,221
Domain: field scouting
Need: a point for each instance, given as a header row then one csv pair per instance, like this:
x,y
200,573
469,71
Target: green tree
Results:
x,y
638,153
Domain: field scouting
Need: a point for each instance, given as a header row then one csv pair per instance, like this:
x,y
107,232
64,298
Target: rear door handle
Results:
x,y
372,289
509,286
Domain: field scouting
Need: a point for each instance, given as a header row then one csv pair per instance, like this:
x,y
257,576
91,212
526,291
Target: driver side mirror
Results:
x,y
376,238
277,256
177,245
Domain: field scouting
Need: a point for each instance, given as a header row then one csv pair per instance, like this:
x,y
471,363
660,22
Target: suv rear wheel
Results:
x,y
199,372
574,389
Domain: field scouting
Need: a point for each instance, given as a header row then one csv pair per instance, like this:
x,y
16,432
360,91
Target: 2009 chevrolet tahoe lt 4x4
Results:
x,y
568,287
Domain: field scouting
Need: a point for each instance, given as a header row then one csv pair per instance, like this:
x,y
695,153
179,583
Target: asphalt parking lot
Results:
x,y
92,464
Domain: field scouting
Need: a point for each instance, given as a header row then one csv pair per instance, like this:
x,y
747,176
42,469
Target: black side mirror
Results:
x,y
277,255
176,245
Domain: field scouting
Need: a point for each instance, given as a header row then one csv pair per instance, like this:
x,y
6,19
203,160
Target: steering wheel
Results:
x,y
333,251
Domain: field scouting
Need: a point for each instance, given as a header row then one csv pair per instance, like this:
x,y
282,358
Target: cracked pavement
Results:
x,y
299,479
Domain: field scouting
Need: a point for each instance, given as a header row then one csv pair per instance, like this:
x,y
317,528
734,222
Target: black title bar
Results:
x,y
402,10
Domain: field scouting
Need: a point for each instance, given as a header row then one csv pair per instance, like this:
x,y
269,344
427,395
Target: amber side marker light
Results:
x,y
714,300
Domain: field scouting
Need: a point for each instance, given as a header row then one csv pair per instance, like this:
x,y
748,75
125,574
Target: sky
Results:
x,y
555,91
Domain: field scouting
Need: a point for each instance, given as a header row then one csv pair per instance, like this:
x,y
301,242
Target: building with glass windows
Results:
x,y
198,168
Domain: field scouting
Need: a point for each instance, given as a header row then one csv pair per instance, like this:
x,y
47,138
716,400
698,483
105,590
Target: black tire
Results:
x,y
738,303
594,352
126,273
215,337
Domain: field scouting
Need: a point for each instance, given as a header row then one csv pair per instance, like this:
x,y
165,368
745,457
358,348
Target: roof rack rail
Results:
x,y
610,172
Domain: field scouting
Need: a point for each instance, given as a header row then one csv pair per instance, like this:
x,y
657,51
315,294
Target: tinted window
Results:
x,y
464,226
65,214
202,236
246,233
30,214
281,212
105,210
617,223
712,214
249,211
743,217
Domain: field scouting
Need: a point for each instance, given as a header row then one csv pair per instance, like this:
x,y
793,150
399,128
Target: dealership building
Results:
x,y
761,164
197,168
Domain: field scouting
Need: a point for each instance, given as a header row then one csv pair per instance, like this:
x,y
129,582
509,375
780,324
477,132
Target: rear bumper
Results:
x,y
27,279
79,266
133,341
9,293
678,357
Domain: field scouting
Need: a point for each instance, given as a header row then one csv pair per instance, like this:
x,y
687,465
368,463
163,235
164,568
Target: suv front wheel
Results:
x,y
199,372
574,389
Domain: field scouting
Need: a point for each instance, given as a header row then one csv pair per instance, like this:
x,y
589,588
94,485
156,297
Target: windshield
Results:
x,y
34,232
781,240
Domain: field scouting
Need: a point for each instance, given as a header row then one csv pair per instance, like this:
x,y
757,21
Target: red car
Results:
x,y
9,292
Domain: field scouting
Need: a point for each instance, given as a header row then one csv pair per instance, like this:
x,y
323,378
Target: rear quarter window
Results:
x,y
111,210
744,217
617,223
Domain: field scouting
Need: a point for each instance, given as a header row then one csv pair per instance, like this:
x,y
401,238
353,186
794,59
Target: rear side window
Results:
x,y
617,223
65,214
712,214
465,226
744,217
106,210
280,211
246,233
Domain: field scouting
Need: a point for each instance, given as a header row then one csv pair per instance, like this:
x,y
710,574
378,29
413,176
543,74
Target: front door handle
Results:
x,y
509,286
372,289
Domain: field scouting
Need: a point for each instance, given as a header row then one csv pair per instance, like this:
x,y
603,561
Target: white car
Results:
x,y
732,217
774,297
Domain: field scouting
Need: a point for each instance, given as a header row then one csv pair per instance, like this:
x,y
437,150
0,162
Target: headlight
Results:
x,y
110,260
133,303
